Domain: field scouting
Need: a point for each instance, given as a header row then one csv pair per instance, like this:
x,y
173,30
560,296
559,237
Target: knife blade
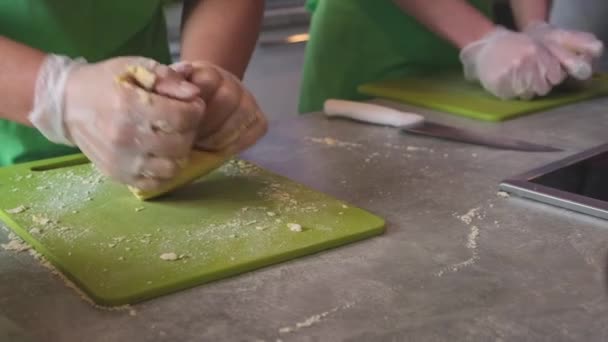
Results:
x,y
416,124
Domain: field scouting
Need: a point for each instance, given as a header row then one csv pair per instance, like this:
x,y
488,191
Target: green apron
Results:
x,y
93,29
358,41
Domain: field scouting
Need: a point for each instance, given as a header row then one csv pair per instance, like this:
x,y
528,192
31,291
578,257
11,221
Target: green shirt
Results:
x,y
92,29
358,41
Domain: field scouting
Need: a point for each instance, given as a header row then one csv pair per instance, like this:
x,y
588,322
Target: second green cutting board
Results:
x,y
452,94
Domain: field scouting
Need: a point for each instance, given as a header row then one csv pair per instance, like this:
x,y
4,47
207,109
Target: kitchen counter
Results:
x,y
457,262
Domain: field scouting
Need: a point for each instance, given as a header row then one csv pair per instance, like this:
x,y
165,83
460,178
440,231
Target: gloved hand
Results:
x,y
132,135
575,50
511,65
233,120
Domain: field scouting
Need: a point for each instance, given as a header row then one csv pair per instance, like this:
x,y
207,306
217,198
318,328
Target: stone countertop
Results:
x,y
457,262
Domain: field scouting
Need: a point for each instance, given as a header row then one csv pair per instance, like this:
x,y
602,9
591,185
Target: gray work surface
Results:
x,y
517,271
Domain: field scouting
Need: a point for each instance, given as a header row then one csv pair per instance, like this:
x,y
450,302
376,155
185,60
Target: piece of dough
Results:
x,y
200,164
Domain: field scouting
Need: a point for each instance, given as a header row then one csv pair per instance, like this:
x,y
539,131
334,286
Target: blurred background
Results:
x,y
274,73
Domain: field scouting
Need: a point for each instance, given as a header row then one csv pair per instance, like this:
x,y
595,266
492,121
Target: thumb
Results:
x,y
174,84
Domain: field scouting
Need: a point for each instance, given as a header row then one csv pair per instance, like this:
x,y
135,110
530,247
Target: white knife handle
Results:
x,y
370,113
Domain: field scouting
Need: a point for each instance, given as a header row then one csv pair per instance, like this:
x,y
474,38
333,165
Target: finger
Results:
x,y
575,65
172,84
251,136
159,168
162,114
146,184
209,79
184,68
219,108
500,85
520,83
540,81
120,164
581,43
159,144
555,74
238,122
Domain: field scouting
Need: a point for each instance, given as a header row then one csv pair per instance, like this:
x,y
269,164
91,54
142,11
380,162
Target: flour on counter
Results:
x,y
327,141
471,243
470,215
503,194
312,320
15,244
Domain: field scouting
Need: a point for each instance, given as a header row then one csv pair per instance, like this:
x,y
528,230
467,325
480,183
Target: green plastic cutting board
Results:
x,y
109,243
451,93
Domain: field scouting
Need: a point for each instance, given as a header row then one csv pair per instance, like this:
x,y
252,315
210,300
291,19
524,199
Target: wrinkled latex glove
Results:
x,y
131,134
511,65
233,120
576,50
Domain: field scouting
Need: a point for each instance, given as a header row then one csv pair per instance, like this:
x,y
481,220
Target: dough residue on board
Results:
x,y
294,227
17,210
41,220
169,256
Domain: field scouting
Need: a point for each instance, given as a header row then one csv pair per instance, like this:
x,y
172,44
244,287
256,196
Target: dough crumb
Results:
x,y
260,228
294,227
132,312
271,214
344,206
169,256
17,210
139,209
503,194
285,330
41,220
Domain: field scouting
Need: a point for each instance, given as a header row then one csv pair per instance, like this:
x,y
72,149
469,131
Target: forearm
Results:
x,y
529,11
454,20
19,65
223,32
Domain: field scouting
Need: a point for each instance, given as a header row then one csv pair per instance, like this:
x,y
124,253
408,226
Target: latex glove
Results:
x,y
134,136
511,65
576,50
233,120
